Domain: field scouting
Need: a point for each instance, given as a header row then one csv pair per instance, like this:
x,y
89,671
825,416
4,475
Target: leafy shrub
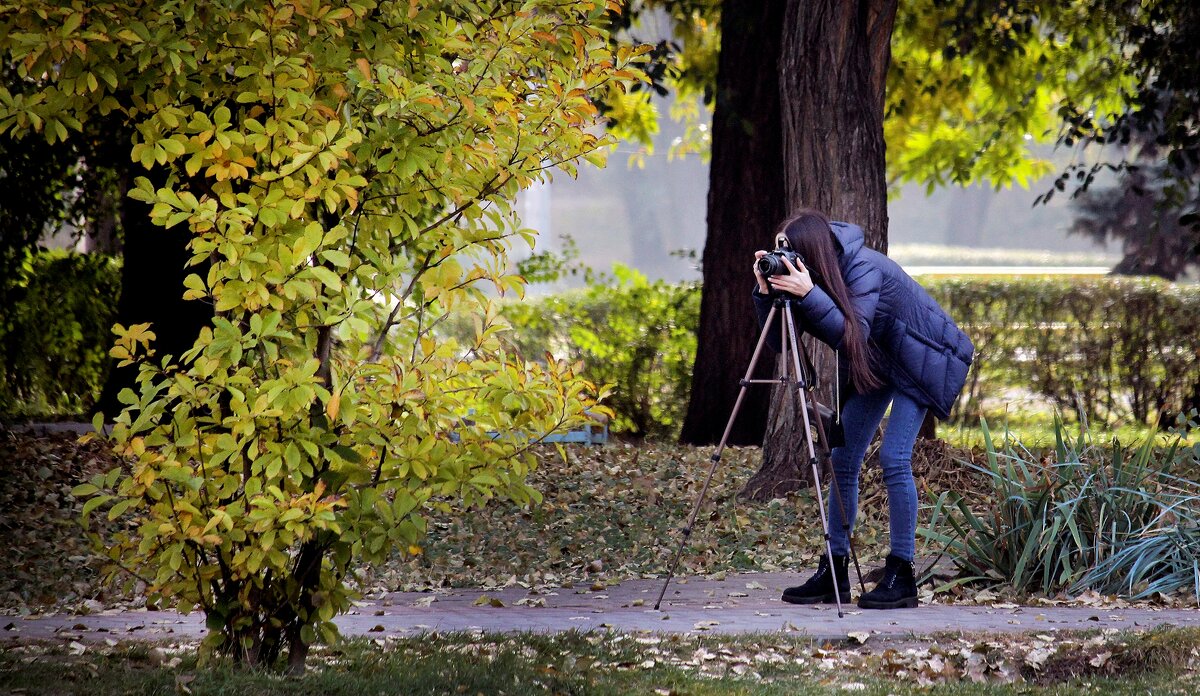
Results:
x,y
635,335
339,197
1115,520
54,333
1111,347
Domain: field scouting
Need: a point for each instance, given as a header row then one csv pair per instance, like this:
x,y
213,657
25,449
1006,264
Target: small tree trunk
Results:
x,y
928,429
783,470
308,576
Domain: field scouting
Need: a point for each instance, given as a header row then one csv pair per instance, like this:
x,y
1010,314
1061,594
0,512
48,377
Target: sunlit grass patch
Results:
x,y
1035,428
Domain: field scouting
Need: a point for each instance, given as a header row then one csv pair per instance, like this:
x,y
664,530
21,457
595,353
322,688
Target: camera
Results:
x,y
772,264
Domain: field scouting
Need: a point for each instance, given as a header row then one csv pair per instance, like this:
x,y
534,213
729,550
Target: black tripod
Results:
x,y
797,372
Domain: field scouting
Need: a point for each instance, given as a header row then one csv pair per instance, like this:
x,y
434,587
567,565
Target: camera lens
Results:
x,y
772,264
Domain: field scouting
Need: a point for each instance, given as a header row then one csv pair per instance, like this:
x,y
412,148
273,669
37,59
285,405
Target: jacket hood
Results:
x,y
849,236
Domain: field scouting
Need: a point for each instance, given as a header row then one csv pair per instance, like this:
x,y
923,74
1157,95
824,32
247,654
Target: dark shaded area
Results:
x,y
152,291
746,199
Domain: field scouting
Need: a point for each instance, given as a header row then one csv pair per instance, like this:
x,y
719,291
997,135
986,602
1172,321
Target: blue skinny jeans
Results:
x,y
860,419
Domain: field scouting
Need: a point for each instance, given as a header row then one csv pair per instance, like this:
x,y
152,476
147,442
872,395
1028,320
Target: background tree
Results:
x,y
972,87
343,176
832,79
34,176
746,194
45,188
1139,213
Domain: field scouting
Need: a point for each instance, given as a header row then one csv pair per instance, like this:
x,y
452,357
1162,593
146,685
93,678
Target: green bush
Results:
x,y
54,333
1110,347
637,336
1116,519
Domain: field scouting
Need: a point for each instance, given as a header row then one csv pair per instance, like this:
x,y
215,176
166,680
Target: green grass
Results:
x,y
1034,429
603,663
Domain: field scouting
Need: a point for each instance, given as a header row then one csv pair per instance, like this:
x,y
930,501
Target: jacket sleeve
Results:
x,y
823,319
762,308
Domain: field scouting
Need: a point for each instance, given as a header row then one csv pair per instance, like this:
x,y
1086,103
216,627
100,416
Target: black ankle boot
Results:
x,y
819,587
897,589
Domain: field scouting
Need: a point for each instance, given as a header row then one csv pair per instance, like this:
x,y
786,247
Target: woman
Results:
x,y
895,346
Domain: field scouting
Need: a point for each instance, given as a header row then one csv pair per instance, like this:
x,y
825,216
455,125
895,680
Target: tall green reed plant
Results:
x,y
1114,519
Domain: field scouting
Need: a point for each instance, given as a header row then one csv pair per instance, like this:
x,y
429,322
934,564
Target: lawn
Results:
x,y
1161,661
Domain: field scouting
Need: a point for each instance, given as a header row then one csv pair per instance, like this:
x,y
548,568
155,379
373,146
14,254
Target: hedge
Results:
x,y
633,334
1111,347
54,333
1115,347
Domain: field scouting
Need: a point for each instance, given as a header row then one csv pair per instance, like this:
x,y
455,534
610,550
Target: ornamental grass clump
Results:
x,y
1113,519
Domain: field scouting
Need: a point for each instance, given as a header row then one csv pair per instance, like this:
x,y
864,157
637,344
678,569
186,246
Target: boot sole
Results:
x,y
905,603
824,599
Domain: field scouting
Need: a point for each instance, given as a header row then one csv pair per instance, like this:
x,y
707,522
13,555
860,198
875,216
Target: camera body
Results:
x,y
772,264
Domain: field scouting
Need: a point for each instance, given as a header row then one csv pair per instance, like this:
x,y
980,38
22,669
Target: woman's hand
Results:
x,y
797,282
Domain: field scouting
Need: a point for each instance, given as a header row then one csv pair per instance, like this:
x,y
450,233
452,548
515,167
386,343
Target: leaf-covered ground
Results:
x,y
610,513
616,512
49,562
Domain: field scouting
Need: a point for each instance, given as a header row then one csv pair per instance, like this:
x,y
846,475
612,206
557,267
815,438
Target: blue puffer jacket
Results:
x,y
917,348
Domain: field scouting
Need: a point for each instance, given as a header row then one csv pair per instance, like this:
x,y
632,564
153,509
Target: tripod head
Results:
x,y
782,299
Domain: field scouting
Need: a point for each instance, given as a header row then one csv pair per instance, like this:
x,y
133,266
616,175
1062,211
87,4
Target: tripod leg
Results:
x,y
716,456
790,332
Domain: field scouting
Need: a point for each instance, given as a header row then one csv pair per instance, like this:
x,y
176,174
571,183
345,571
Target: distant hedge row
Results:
x,y
1115,347
636,335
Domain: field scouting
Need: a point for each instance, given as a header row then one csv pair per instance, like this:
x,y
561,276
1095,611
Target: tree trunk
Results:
x,y
308,577
833,71
832,96
152,291
745,202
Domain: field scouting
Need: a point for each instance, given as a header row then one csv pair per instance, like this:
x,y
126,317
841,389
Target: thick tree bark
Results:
x,y
832,85
746,200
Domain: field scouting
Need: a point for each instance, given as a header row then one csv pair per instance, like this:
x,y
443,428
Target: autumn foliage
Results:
x,y
346,172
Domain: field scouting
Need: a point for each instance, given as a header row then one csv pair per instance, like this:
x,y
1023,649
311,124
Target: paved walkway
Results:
x,y
738,604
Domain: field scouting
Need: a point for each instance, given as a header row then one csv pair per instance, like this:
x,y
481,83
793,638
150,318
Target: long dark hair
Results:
x,y
808,233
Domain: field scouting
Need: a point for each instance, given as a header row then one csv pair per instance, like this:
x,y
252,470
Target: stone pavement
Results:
x,y
738,604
